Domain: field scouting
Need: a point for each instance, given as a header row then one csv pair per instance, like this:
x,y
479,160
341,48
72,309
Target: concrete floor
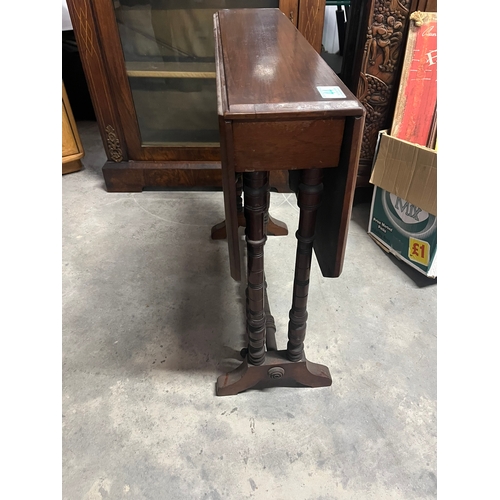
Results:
x,y
151,317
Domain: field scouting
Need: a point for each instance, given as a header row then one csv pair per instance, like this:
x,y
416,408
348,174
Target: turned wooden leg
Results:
x,y
255,189
274,227
275,368
270,324
309,198
270,338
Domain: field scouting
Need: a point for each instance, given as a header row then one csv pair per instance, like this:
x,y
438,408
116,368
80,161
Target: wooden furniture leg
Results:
x,y
262,368
270,324
310,190
270,337
255,189
267,127
274,227
219,230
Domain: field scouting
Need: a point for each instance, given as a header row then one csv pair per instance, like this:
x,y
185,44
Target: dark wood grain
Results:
x,y
135,176
276,371
255,186
278,181
423,5
376,35
260,145
96,31
309,198
115,63
282,138
230,198
267,126
277,73
334,213
229,178
431,6
96,74
274,227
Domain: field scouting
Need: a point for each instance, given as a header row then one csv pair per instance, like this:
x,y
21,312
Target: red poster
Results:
x,y
417,97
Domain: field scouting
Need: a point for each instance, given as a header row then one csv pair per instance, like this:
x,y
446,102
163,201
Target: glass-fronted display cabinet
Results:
x,y
168,48
150,68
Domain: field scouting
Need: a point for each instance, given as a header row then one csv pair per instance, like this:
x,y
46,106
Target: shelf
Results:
x,y
170,70
178,138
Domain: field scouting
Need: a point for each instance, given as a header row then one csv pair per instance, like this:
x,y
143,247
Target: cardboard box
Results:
x,y
403,216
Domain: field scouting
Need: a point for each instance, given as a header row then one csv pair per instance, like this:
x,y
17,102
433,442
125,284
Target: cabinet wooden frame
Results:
x,y
132,166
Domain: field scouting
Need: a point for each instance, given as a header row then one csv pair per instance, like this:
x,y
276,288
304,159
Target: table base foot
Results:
x,y
276,371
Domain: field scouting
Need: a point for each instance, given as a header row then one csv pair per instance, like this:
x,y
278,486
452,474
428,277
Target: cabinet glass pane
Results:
x,y
168,47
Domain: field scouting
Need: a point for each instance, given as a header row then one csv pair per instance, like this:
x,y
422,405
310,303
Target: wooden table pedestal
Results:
x,y
281,107
264,365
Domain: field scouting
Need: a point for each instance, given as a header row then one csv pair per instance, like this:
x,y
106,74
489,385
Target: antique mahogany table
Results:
x,y
281,107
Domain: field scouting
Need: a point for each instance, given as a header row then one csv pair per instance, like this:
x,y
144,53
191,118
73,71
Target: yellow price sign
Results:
x,y
419,251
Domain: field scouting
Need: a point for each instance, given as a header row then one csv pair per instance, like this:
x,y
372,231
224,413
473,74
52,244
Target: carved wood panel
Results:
x,y
380,69
372,64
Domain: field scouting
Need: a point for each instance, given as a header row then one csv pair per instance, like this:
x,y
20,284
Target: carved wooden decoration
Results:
x,y
380,68
114,148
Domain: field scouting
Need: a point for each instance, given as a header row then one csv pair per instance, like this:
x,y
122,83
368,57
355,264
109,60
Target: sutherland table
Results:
x,y
281,107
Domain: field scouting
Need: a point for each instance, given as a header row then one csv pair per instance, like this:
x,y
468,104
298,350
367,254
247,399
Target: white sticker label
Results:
x,y
331,92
